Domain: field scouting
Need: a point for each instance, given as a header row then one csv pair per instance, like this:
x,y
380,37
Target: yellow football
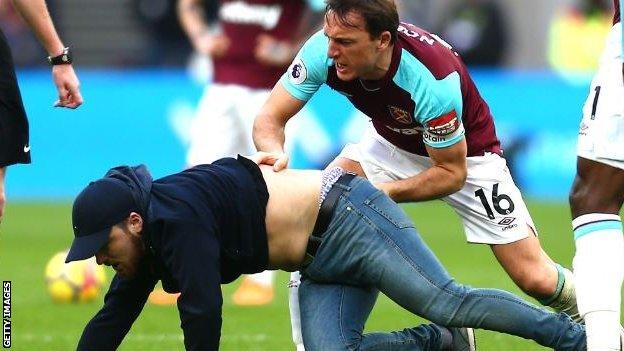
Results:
x,y
78,281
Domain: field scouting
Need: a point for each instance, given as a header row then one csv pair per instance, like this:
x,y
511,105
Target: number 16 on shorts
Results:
x,y
493,211
501,203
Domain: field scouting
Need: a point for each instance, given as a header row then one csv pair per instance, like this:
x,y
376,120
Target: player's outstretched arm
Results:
x,y
36,15
268,129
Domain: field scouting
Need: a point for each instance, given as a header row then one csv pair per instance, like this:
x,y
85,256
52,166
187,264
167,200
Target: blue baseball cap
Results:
x,y
98,207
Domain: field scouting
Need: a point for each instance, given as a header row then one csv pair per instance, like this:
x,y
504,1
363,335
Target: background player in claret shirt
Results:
x,y
14,136
432,135
596,198
251,44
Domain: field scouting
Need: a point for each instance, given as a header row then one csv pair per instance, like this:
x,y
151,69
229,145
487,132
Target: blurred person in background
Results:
x,y
572,41
250,44
597,195
168,46
419,12
14,136
477,29
432,135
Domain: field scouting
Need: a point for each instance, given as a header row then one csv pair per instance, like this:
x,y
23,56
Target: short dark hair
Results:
x,y
379,15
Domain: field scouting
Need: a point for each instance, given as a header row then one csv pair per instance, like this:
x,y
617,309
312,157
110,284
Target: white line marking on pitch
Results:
x,y
139,337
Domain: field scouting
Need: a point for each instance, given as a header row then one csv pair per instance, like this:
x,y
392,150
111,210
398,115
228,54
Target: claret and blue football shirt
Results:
x,y
426,97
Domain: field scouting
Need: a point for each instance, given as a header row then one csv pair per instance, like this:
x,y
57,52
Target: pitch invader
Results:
x,y
431,134
597,196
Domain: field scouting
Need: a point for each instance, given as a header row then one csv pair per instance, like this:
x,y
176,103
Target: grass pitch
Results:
x,y
32,233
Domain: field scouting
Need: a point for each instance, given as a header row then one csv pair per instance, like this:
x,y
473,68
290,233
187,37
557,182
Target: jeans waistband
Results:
x,y
325,214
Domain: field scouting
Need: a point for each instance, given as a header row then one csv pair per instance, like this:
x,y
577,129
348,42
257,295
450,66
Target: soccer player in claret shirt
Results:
x,y
431,134
596,198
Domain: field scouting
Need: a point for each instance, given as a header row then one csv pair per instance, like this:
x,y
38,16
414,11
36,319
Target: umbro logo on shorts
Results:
x,y
507,220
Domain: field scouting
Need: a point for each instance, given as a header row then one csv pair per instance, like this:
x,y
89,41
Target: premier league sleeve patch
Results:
x,y
443,131
297,72
308,71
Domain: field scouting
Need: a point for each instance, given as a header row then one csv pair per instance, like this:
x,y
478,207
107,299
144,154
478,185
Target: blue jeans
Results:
x,y
371,245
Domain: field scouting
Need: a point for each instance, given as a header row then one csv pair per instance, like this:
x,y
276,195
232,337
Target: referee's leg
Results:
x,y
14,140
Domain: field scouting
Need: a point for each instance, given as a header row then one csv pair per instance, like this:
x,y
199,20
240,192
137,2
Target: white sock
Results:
x,y
263,278
598,272
293,304
602,328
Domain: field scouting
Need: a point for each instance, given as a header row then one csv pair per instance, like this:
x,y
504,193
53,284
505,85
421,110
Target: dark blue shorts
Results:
x,y
14,143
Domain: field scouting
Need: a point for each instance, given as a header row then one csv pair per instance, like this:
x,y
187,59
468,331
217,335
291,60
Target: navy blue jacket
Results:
x,y
205,226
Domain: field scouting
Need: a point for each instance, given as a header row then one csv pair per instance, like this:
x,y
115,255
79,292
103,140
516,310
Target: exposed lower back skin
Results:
x,y
291,213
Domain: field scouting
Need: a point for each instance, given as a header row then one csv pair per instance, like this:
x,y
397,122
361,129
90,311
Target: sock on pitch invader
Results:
x,y
295,315
599,271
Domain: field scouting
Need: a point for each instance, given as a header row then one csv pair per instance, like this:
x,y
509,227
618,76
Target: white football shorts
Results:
x,y
601,134
489,205
223,123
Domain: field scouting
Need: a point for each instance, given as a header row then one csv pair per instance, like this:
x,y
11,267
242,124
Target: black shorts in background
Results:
x,y
14,144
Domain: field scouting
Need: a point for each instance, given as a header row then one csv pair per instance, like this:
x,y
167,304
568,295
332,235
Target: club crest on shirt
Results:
x,y
444,125
400,115
297,72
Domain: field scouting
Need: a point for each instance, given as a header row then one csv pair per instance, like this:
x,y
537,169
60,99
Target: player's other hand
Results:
x,y
210,44
67,85
272,52
278,160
